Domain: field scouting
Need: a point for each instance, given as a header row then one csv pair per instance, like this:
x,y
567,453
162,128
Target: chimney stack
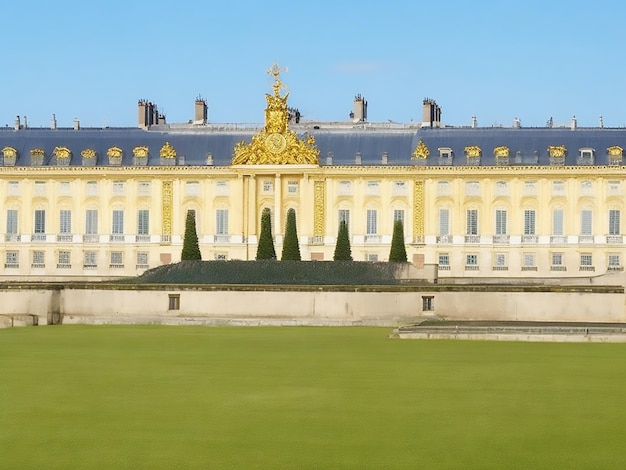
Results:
x,y
201,111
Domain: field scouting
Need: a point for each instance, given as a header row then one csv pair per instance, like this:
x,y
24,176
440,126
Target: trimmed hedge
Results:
x,y
270,272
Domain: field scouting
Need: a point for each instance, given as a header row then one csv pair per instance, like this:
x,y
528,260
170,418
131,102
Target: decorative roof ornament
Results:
x,y
141,151
88,153
276,144
62,152
615,151
421,151
9,152
167,151
37,152
557,150
114,152
473,151
501,151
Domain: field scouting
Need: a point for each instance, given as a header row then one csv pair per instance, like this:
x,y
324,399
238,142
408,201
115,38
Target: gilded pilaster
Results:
x,y
167,203
418,211
319,192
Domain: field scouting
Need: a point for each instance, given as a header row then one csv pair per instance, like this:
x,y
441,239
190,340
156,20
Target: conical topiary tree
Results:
x,y
265,249
291,249
343,252
191,249
398,250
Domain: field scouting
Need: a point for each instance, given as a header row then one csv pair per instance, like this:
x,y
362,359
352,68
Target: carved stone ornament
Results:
x,y
615,151
62,152
9,152
502,151
167,151
557,150
472,151
421,151
276,144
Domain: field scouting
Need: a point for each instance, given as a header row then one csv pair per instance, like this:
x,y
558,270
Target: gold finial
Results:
x,y
167,151
275,70
421,151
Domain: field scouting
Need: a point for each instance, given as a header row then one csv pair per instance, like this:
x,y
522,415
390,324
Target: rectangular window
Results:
x,y
557,222
614,188
586,262
173,302
65,221
444,222
143,222
40,221
221,188
529,222
13,188
471,227
192,188
444,188
39,260
64,260
472,189
444,261
11,221
143,188
345,188
268,186
118,188
372,222
221,222
92,188
501,228
117,259
557,259
614,222
428,303
528,260
471,262
12,259
117,226
292,187
344,216
500,262
91,222
585,222
90,261
502,188
142,260
615,261
398,214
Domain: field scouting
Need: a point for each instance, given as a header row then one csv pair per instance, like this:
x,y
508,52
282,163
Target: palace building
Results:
x,y
484,203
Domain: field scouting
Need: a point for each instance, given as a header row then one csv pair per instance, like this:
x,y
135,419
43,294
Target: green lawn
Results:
x,y
117,397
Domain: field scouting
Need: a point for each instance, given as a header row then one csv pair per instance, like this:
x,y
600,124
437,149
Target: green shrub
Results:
x,y
398,250
343,252
291,248
265,249
191,249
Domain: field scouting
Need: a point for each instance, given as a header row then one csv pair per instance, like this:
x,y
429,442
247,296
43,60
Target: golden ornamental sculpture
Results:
x,y
114,152
557,150
167,151
88,153
62,152
421,151
37,152
502,151
276,144
9,152
141,151
472,151
615,151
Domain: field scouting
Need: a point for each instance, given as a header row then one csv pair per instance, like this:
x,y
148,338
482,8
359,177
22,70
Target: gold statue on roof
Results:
x,y
276,144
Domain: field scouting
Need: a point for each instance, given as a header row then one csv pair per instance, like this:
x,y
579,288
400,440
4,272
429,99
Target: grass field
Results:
x,y
120,397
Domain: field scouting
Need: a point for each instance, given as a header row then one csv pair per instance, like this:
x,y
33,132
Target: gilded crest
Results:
x,y
276,144
421,151
62,152
88,153
472,151
557,150
114,152
141,151
37,152
502,151
9,152
615,151
167,151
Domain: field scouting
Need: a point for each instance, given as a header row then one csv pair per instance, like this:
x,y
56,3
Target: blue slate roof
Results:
x,y
529,144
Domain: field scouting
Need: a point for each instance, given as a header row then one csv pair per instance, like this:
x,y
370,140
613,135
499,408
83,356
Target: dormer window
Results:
x,y
446,154
586,156
615,155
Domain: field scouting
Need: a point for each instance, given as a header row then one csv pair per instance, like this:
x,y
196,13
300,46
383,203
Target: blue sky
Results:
x,y
494,59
